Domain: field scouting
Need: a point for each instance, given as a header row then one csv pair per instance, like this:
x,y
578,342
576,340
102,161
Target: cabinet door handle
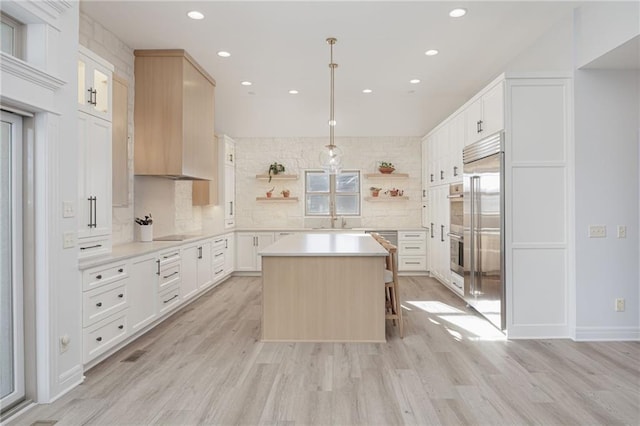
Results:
x,y
455,170
170,275
99,304
431,228
90,224
170,299
95,212
99,339
431,177
218,272
423,194
441,174
92,96
226,243
121,270
121,295
231,158
98,277
442,233
91,247
121,326
158,271
200,252
230,208
480,126
218,254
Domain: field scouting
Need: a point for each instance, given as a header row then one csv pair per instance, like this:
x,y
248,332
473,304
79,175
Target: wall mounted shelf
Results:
x,y
277,177
386,175
277,199
386,198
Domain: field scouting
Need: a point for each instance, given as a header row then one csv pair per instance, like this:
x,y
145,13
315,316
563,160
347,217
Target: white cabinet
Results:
x,y
143,292
229,253
438,245
227,148
218,254
485,115
94,84
412,251
105,303
455,145
425,168
196,267
94,154
248,246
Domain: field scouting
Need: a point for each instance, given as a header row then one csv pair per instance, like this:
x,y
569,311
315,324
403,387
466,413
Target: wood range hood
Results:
x,y
173,116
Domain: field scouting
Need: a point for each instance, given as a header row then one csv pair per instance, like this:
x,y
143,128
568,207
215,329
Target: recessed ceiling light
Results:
x,y
414,81
293,92
194,14
431,52
458,13
224,54
367,91
246,83
251,93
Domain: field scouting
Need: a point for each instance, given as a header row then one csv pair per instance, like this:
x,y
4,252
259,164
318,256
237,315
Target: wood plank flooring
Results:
x,y
206,365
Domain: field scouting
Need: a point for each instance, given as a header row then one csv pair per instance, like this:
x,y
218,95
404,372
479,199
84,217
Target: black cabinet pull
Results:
x,y
121,270
480,126
170,299
95,212
98,277
442,233
431,177
431,227
158,271
91,247
226,243
200,252
170,275
121,326
455,170
441,174
99,304
121,295
230,208
90,224
99,339
231,158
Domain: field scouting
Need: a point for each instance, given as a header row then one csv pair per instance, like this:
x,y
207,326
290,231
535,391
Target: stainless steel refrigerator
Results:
x,y
483,228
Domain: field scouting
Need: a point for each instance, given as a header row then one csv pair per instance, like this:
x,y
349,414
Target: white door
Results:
x,y
143,292
245,252
263,239
205,271
229,196
189,271
11,303
229,253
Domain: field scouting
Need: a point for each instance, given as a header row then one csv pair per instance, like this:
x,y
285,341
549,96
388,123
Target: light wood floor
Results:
x,y
205,365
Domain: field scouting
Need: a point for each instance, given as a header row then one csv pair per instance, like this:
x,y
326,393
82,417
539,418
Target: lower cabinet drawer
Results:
x,y
218,271
168,299
412,235
103,335
102,275
101,302
218,257
93,246
412,248
169,275
457,284
412,263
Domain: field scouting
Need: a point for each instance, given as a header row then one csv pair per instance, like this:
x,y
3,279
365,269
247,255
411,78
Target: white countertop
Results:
x,y
327,244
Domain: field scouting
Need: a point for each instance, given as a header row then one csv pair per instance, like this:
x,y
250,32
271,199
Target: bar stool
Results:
x,y
393,309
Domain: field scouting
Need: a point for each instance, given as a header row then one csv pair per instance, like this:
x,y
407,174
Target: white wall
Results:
x,y
601,27
253,156
607,186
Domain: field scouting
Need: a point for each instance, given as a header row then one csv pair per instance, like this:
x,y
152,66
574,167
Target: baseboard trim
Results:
x,y
548,331
604,334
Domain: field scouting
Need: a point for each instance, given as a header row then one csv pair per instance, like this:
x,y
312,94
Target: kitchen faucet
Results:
x,y
332,212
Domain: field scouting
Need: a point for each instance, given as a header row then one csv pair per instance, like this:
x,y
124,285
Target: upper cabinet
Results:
x,y
485,115
94,84
173,116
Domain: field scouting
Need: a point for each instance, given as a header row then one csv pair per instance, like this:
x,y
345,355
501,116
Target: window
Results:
x,y
11,36
325,192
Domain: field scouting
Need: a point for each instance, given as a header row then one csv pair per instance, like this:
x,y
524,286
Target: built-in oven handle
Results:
x,y
455,237
454,196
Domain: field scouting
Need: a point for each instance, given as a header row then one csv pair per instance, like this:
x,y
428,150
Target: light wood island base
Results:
x,y
323,299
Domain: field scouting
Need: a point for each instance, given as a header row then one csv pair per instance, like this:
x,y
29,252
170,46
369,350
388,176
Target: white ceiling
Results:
x,y
281,46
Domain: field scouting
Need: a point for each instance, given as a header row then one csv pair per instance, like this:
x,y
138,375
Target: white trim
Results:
x,y
70,378
584,334
27,72
543,331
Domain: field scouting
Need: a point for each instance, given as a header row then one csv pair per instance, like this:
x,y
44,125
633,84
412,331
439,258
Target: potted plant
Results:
x,y
274,169
269,192
386,167
375,191
285,193
393,192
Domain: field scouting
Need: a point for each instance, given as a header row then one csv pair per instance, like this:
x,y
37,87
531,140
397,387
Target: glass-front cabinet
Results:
x,y
94,85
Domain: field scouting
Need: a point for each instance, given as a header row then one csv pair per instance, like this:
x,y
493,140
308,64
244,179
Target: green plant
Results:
x,y
274,169
387,164
375,189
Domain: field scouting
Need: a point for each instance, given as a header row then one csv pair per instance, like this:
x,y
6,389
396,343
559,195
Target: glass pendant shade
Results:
x,y
331,159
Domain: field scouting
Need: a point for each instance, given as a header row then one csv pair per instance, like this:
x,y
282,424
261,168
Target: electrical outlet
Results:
x,y
69,240
597,231
620,305
622,231
68,209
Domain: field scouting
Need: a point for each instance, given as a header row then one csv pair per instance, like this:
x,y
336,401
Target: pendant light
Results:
x,y
331,157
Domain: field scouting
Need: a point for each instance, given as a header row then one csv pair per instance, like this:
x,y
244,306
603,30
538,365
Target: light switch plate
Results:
x,y
69,240
68,209
622,231
597,231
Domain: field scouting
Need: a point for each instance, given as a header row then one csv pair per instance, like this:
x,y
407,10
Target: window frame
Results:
x,y
332,194
18,35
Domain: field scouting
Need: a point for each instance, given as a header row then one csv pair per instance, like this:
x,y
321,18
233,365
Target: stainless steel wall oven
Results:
x,y
456,217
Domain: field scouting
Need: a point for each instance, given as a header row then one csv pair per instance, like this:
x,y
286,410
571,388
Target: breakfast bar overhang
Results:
x,y
323,288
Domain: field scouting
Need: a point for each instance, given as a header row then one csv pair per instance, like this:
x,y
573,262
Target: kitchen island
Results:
x,y
323,288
